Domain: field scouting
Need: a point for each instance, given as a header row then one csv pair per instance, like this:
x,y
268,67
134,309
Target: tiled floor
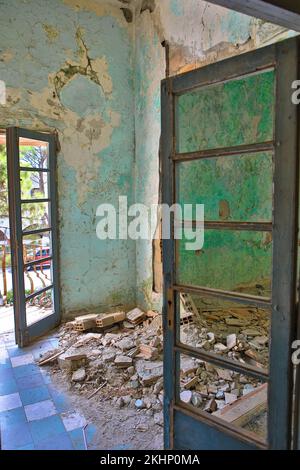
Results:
x,y
33,413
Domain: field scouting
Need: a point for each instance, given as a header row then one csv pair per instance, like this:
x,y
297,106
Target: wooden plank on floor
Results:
x,y
245,408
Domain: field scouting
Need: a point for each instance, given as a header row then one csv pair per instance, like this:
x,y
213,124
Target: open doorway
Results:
x,y
26,233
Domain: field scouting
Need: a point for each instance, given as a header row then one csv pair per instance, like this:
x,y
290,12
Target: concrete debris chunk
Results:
x,y
230,398
79,375
158,386
224,374
70,360
148,352
125,344
231,341
186,396
211,337
135,316
109,356
109,319
159,419
85,322
149,372
187,366
196,400
248,388
123,361
220,348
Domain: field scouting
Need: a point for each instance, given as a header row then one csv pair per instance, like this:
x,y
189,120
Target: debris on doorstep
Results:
x,y
85,322
186,396
123,361
79,375
135,316
71,361
109,319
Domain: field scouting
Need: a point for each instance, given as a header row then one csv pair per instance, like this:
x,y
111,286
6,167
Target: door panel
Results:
x,y
230,142
33,218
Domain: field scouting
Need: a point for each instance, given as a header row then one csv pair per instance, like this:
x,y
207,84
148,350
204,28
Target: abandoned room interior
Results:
x,y
117,333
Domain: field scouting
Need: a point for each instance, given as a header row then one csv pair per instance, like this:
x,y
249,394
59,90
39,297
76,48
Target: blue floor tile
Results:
x,y
46,376
16,435
15,351
28,447
5,364
30,381
7,385
33,395
16,416
77,436
34,386
46,428
58,442
60,400
6,373
24,371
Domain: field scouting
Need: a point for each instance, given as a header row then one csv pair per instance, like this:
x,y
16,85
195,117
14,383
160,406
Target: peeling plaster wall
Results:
x,y
149,70
91,70
198,33
67,65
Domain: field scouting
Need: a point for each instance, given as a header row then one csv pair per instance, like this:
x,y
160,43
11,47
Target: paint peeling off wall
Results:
x,y
68,66
200,33
91,69
149,71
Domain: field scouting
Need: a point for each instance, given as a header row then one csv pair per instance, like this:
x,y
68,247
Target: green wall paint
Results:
x,y
236,188
234,113
230,260
80,68
70,69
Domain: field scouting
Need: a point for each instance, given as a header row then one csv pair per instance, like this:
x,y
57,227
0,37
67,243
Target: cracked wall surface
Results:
x,y
67,65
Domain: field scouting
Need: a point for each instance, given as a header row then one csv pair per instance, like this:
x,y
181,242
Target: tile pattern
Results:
x,y
34,415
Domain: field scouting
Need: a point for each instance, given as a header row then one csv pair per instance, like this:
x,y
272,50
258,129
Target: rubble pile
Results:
x,y
240,334
121,355
123,359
